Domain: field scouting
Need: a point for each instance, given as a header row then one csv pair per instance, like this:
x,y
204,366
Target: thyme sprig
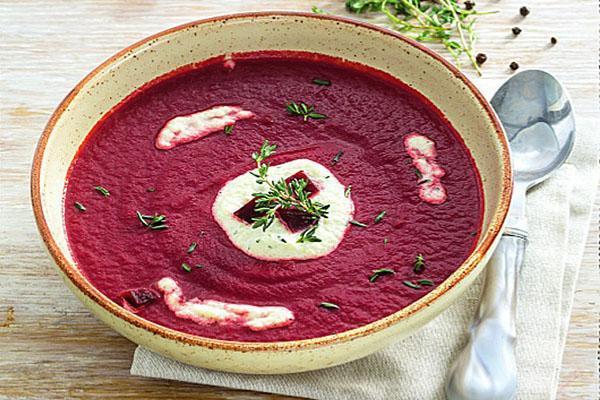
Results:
x,y
304,110
380,272
436,21
419,264
283,195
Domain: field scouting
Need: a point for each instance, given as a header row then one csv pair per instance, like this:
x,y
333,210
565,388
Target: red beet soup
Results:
x,y
160,216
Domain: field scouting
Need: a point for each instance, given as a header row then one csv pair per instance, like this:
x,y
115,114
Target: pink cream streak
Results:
x,y
423,153
256,318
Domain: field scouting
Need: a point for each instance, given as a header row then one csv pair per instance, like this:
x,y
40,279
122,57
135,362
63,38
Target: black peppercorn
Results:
x,y
516,30
553,40
514,66
524,11
480,58
469,5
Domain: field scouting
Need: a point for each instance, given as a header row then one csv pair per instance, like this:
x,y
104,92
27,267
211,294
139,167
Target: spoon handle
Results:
x,y
486,368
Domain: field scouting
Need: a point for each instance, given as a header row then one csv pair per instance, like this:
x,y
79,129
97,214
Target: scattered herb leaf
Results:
x,y
103,191
321,82
155,222
303,110
228,129
380,272
318,10
199,266
386,240
425,282
192,247
80,206
418,174
419,264
186,267
411,285
380,216
336,158
357,223
329,306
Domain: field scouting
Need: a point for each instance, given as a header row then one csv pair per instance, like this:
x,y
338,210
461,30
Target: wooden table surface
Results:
x,y
50,346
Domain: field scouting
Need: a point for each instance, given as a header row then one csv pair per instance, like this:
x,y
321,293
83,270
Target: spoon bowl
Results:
x,y
538,119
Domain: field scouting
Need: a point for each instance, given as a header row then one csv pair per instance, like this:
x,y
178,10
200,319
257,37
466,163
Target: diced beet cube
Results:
x,y
247,213
310,187
138,298
295,220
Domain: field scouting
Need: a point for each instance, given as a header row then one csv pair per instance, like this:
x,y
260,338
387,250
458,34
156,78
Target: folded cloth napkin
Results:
x,y
559,215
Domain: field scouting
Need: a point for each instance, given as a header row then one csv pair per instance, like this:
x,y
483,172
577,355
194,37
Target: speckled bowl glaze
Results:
x,y
131,68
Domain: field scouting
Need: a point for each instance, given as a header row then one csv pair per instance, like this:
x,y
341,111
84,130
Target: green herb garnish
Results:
x,y
411,285
357,223
186,267
419,264
103,191
155,222
303,110
283,195
425,282
80,206
336,158
440,21
380,216
192,247
308,236
318,10
321,82
418,174
348,191
380,272
385,241
228,129
329,306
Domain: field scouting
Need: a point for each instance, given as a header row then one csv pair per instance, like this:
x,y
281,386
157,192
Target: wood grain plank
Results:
x,y
52,347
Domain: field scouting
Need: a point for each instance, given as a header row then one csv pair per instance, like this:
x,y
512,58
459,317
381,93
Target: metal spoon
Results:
x,y
538,119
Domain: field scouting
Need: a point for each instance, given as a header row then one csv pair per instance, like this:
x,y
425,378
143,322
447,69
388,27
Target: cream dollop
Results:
x,y
278,242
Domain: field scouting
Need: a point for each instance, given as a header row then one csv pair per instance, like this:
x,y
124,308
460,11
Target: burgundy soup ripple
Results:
x,y
370,121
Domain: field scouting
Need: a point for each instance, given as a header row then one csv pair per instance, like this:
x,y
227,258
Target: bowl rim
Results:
x,y
86,288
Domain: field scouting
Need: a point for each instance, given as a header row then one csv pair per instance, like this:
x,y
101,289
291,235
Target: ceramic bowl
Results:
x,y
382,49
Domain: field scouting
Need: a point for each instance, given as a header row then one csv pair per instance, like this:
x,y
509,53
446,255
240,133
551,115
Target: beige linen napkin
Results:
x,y
415,368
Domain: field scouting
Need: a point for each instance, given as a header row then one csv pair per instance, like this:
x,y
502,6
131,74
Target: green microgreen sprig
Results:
x,y
304,110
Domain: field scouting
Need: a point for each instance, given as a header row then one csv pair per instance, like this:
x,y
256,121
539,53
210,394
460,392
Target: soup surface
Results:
x,y
163,200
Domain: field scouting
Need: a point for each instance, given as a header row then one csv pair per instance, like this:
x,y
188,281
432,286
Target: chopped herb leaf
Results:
x,y
192,247
419,264
80,206
228,129
348,191
380,272
411,285
318,10
199,266
418,174
380,216
357,223
104,192
321,82
329,306
422,181
337,157
283,240
386,240
186,267
425,282
303,110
